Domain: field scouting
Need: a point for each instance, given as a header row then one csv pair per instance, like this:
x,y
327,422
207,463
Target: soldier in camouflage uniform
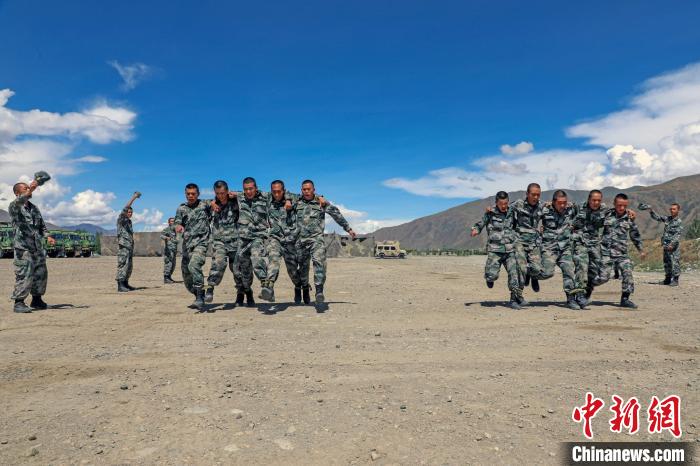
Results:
x,y
501,248
125,241
527,214
671,241
30,261
617,227
169,237
587,254
311,247
224,240
192,220
557,220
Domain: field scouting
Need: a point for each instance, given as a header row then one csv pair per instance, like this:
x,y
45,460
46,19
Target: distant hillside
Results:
x,y
90,228
450,228
5,217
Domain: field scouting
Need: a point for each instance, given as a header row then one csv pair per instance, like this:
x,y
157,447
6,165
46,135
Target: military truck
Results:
x,y
389,250
87,243
57,249
7,238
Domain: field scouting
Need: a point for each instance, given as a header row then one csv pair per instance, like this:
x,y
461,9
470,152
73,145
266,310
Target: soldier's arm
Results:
x,y
164,235
134,196
178,222
676,239
636,237
334,212
480,225
656,216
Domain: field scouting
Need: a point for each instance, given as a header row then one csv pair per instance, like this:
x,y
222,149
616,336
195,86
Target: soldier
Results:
x,y
192,220
125,241
169,236
527,214
588,258
501,248
671,241
557,220
617,227
311,247
224,240
30,262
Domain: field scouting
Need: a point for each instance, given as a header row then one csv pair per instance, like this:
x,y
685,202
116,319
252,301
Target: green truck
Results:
x,y
87,243
7,237
70,244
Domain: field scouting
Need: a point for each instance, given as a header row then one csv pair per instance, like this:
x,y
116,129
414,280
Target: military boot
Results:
x,y
589,293
674,281
571,303
240,298
320,299
20,307
513,303
209,294
297,295
249,298
667,280
198,302
121,287
527,280
129,287
305,290
267,293
625,301
489,284
617,274
167,279
581,300
535,285
521,299
38,303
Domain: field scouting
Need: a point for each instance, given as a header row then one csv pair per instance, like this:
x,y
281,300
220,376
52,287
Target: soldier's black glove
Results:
x,y
643,206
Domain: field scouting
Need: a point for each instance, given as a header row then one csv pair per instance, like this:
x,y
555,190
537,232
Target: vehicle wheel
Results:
x,y
402,256
87,254
381,255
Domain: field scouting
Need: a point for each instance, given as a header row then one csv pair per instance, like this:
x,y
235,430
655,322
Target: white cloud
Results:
x,y
520,148
655,138
359,222
91,159
131,74
86,206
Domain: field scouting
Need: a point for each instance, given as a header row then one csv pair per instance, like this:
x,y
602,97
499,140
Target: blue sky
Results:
x,y
366,98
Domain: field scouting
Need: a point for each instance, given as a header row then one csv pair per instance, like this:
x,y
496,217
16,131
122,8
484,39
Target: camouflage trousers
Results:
x,y
312,250
169,259
30,273
192,264
125,263
589,264
624,264
494,260
276,250
562,258
224,254
251,261
529,258
672,262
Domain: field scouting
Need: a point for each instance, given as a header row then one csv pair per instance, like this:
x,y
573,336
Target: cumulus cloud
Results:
x,y
131,74
360,222
656,137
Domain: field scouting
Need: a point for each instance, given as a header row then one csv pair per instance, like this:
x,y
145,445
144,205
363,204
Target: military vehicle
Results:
x,y
57,249
389,249
87,243
7,237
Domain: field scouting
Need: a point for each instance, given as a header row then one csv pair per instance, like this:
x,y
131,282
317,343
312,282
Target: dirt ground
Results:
x,y
414,361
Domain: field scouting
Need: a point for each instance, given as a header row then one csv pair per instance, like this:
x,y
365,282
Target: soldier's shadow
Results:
x,y
505,304
270,309
211,308
58,307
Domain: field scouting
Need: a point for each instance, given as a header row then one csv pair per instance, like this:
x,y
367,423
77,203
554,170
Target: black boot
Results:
x,y
571,303
521,299
319,294
267,293
617,274
121,287
306,294
527,280
513,303
667,280
240,298
674,281
38,303
297,295
21,308
126,284
625,301
489,284
581,300
535,285
167,279
209,294
249,298
589,292
198,302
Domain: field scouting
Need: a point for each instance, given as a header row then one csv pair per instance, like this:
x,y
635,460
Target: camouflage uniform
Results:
x,y
673,229
125,241
526,220
616,230
224,239
311,247
169,235
557,246
30,262
195,241
283,237
587,254
500,248
253,228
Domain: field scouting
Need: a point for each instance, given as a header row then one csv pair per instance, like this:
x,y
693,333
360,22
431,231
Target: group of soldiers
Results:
x,y
250,232
588,242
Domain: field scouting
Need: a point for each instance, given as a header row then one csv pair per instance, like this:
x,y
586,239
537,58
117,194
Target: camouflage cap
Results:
x,y
41,177
643,206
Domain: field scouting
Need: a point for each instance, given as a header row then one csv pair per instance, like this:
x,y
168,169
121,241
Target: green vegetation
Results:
x,y
693,230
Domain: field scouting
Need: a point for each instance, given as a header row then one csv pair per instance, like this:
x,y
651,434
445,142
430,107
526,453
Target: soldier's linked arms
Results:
x,y
215,207
474,232
179,228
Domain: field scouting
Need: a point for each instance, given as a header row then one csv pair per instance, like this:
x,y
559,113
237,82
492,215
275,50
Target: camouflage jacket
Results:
x,y
224,224
311,217
28,224
253,221
169,235
673,229
283,222
616,230
125,231
195,220
499,229
557,227
526,220
588,224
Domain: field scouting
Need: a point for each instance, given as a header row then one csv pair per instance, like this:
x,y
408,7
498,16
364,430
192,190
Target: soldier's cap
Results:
x,y
643,206
41,177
